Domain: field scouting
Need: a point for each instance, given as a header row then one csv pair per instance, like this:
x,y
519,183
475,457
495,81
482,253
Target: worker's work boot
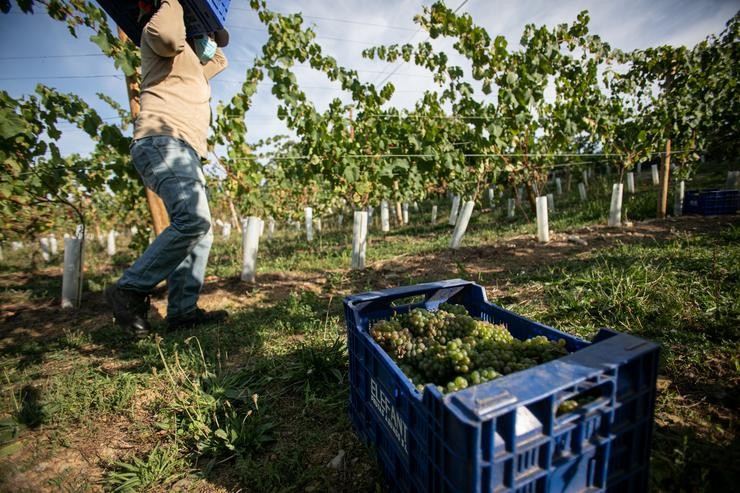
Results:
x,y
130,309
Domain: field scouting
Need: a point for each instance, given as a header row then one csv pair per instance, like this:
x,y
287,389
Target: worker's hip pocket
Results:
x,y
161,158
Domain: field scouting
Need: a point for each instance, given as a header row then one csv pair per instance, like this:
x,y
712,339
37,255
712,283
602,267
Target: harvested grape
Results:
x,y
567,406
452,350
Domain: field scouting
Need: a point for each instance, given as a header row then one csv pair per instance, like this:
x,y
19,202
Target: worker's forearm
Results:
x,y
216,64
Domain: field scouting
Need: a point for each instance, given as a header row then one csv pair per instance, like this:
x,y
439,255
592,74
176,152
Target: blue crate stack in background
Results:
x,y
505,435
201,16
711,202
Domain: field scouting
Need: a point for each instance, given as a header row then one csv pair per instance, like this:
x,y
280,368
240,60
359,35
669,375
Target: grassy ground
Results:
x,y
259,403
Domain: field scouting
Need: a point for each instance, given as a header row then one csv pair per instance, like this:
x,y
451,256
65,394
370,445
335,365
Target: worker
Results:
x,y
168,144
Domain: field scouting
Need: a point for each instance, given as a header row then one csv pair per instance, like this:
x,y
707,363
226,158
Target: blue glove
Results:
x,y
205,48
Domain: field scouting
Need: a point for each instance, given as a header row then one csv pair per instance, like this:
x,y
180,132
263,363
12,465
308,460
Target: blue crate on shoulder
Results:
x,y
711,202
505,435
201,16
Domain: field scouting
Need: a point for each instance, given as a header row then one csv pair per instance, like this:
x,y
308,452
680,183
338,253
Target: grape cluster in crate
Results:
x,y
453,350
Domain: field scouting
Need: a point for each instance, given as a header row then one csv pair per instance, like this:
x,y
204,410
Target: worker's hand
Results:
x,y
205,48
217,64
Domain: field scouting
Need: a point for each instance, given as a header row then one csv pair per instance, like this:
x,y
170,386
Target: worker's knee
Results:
x,y
192,224
191,215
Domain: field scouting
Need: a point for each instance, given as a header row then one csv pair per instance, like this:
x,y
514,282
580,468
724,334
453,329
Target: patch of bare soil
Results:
x,y
47,462
494,263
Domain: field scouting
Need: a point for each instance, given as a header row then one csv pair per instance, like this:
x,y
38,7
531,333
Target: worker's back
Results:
x,y
175,92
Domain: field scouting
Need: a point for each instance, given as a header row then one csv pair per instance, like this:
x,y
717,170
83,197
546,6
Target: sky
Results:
x,y
36,49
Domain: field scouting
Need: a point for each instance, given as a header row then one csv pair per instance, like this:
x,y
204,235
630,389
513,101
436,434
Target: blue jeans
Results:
x,y
171,168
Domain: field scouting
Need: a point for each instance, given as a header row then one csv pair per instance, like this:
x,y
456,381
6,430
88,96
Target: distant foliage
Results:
x,y
520,115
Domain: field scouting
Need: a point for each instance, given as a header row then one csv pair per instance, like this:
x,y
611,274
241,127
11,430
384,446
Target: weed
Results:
x,y
297,313
75,395
75,338
70,480
162,467
212,411
319,363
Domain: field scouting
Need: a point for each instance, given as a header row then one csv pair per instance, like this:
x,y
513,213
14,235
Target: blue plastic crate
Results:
x,y
504,435
201,16
711,202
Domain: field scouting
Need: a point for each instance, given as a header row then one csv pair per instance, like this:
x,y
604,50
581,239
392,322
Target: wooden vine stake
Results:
x,y
663,200
234,217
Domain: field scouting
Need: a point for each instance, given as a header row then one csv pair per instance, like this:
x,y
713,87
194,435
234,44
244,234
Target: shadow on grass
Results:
x,y
684,461
304,393
291,354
